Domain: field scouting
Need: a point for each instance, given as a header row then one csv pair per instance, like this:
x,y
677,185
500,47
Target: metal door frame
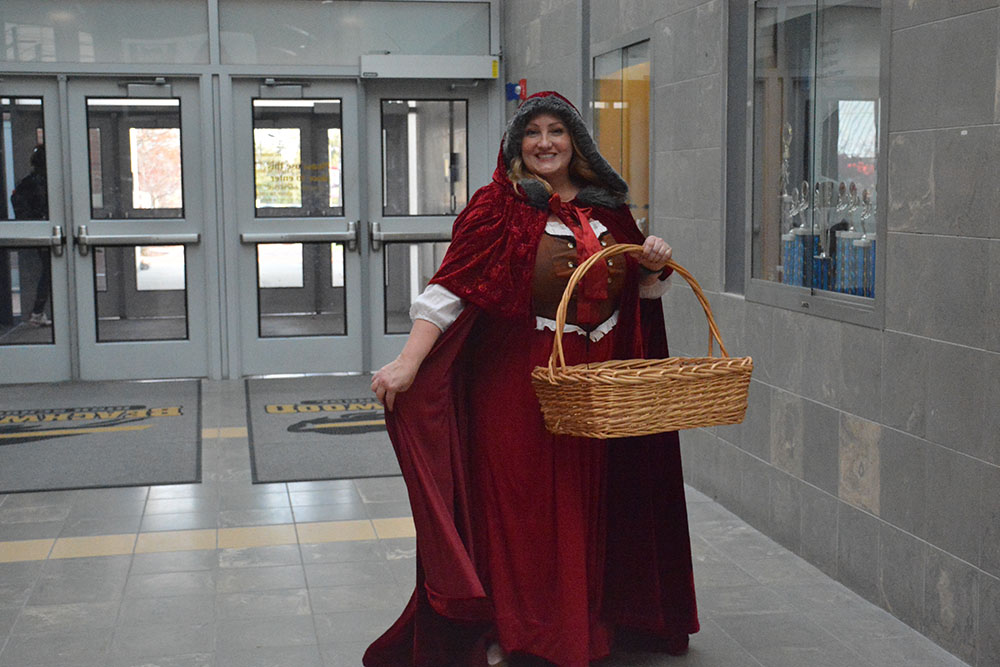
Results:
x,y
45,362
250,354
195,230
386,229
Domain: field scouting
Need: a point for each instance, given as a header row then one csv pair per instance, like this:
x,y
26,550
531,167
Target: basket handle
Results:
x,y
611,251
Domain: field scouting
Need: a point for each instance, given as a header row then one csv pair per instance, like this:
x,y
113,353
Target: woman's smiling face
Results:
x,y
547,149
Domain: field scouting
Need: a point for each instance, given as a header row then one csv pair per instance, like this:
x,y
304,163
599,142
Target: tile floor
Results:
x,y
230,574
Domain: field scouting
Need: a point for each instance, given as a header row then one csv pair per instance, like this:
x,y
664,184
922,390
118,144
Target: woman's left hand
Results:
x,y
655,254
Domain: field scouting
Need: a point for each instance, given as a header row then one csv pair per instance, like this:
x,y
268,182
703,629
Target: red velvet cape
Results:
x,y
649,583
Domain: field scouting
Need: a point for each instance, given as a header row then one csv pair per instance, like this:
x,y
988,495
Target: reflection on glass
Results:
x,y
156,167
816,136
621,120
336,33
104,31
609,103
279,265
407,270
300,290
96,177
635,161
100,270
277,165
23,182
298,158
144,295
159,267
135,158
333,143
424,157
25,296
25,273
858,136
336,265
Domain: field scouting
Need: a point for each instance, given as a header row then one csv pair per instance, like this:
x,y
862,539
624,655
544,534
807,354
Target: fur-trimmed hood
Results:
x,y
612,191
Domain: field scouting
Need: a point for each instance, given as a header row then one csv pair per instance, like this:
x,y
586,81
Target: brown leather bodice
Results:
x,y
554,264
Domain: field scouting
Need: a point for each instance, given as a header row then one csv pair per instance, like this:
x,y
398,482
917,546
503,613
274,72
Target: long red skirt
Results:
x,y
542,498
569,540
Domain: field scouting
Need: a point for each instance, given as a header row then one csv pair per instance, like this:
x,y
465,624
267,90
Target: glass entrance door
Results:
x,y
35,327
139,212
427,143
297,209
345,198
337,199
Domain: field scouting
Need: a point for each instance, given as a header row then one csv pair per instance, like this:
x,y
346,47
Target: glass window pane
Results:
x,y
621,120
300,290
26,296
336,265
337,33
816,136
635,130
140,293
424,157
609,102
135,158
407,270
23,182
847,107
100,271
156,167
279,265
298,158
277,157
783,90
334,166
96,174
159,267
105,31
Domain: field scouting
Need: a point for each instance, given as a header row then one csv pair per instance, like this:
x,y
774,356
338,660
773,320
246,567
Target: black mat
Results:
x,y
320,427
99,434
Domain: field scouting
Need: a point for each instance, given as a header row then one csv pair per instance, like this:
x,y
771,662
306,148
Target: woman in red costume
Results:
x,y
534,548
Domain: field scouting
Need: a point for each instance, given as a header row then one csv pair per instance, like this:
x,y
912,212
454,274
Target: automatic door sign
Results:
x,y
333,416
17,426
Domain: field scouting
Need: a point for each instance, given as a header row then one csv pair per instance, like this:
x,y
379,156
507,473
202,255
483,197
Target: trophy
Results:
x,y
795,246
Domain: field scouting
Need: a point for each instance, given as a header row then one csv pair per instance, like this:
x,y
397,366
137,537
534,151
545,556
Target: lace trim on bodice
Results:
x,y
595,334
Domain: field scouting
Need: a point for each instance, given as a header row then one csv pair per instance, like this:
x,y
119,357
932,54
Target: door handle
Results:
x,y
54,240
378,237
349,237
57,241
85,240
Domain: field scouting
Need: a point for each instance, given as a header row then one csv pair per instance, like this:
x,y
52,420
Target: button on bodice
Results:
x,y
554,264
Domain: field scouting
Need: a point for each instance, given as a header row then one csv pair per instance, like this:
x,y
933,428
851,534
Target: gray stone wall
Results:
x,y
541,42
872,453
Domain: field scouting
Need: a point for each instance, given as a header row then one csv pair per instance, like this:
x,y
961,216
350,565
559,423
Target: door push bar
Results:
x,y
84,240
55,240
350,237
378,237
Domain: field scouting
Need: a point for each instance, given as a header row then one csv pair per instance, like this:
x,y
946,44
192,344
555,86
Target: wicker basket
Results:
x,y
621,398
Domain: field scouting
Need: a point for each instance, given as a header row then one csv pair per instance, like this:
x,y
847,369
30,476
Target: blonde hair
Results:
x,y
579,170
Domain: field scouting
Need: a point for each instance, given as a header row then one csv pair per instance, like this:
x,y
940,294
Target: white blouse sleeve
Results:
x,y
438,306
656,290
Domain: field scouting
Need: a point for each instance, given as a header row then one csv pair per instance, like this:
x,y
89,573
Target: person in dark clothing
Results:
x,y
30,200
